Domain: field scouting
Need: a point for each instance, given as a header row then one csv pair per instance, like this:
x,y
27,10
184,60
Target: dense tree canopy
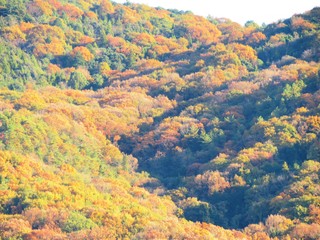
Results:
x,y
122,121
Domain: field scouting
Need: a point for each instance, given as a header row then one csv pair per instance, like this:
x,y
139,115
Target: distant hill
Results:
x,y
123,121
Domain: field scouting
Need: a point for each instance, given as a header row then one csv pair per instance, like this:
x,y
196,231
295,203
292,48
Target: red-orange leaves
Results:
x,y
71,10
255,38
55,47
77,38
55,3
212,181
299,24
53,68
231,31
45,34
31,100
39,7
82,52
243,86
148,64
86,40
106,7
244,52
13,227
198,28
127,14
144,39
122,46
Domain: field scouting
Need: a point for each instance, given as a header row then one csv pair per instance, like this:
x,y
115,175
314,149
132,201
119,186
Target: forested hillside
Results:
x,y
131,122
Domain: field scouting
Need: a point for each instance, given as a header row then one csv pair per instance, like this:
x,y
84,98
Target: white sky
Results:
x,y
240,11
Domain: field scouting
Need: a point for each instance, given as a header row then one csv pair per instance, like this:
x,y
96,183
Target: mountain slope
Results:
x,y
131,122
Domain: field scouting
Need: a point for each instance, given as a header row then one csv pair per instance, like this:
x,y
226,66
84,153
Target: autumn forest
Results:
x,y
122,121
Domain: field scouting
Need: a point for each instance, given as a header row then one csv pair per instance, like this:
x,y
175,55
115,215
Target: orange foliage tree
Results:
x,y
71,11
144,39
106,7
198,28
83,53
